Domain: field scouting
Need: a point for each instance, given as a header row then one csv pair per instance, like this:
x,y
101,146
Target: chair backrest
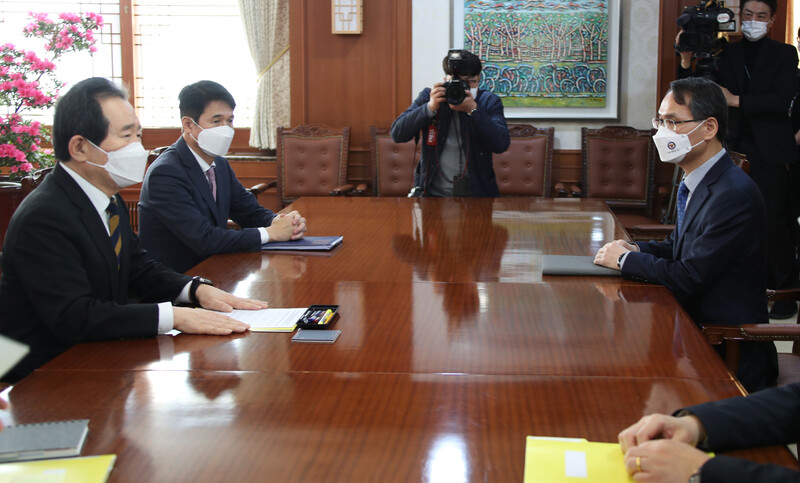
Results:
x,y
312,160
524,169
133,214
30,182
393,164
618,166
740,160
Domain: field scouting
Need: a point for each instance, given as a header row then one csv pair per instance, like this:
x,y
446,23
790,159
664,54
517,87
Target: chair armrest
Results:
x,y
359,190
262,187
651,232
559,191
789,294
716,334
342,190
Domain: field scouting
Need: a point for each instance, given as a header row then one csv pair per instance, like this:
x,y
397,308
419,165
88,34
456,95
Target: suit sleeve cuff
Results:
x,y
622,260
166,318
264,235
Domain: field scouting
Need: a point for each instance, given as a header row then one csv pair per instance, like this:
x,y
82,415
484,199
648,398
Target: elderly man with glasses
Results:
x,y
714,260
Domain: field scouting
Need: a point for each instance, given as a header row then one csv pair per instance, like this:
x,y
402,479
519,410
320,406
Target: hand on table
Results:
x,y
199,321
608,255
661,448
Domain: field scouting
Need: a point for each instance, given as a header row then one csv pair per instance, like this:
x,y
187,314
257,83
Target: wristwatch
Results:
x,y
196,281
470,113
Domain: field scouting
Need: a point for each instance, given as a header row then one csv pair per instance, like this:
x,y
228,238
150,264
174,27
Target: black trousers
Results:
x,y
774,182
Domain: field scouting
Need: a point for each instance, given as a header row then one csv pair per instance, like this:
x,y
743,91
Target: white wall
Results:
x,y
638,64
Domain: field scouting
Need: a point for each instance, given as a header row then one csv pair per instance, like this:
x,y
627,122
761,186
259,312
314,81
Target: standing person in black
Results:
x,y
758,77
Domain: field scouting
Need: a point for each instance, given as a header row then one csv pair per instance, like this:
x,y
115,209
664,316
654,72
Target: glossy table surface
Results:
x,y
454,347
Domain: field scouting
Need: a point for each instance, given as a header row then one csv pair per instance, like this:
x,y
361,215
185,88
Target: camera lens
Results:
x,y
454,93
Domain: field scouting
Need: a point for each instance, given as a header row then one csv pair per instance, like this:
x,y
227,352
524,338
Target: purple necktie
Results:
x,y
212,180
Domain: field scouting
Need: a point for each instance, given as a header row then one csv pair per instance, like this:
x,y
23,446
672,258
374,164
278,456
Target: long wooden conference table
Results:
x,y
453,349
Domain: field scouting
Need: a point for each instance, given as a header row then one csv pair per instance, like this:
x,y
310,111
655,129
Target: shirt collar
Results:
x,y
98,199
202,162
693,179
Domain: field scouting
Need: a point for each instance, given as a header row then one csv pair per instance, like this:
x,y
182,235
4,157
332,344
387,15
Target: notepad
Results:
x,y
11,352
89,469
574,265
554,460
57,439
308,243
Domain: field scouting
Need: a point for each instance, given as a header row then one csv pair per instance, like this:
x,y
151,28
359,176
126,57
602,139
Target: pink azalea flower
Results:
x,y
70,17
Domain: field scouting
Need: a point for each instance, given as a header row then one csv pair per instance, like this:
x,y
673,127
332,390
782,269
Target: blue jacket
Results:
x,y
716,267
181,225
488,133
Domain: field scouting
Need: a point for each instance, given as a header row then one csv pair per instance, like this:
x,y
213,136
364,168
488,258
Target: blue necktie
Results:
x,y
113,227
683,195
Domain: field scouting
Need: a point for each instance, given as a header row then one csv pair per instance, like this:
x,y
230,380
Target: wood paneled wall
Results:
x,y
350,80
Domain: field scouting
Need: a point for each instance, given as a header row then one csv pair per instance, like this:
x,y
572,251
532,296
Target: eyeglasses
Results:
x,y
670,123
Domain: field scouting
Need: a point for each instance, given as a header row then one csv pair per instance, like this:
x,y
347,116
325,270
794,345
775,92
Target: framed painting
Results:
x,y
545,58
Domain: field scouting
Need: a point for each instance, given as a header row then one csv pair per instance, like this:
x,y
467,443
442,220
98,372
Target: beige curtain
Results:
x,y
266,24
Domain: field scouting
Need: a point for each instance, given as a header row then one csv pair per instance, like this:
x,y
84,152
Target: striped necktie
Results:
x,y
113,227
683,195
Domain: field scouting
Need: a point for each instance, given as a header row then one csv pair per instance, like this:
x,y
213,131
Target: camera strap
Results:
x,y
433,131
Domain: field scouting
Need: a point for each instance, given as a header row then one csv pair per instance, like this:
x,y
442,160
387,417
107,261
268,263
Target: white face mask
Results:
x,y
754,30
126,165
474,92
673,147
214,141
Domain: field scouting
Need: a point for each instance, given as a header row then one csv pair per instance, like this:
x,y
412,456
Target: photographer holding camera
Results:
x,y
758,78
460,127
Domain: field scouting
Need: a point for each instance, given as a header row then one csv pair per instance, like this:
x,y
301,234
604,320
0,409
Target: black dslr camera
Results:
x,y
455,91
701,26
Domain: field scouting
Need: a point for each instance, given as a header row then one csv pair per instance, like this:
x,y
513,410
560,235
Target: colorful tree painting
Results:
x,y
541,53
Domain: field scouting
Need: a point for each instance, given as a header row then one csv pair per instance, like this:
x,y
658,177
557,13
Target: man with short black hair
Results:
x,y
757,76
190,191
714,260
458,138
71,264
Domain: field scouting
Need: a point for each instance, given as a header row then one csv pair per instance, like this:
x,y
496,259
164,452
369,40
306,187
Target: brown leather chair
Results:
x,y
618,166
312,161
788,363
524,169
393,164
34,179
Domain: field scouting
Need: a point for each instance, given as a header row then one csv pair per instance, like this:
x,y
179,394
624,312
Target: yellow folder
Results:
x,y
556,460
88,469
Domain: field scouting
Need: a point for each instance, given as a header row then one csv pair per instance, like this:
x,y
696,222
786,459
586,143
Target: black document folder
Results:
x,y
575,265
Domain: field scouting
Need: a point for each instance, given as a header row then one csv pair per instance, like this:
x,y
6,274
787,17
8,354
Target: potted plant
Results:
x,y
28,81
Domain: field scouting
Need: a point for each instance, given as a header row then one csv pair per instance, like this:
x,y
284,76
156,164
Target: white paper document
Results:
x,y
269,320
11,352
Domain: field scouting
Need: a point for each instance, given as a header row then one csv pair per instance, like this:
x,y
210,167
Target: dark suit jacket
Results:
x,y
769,417
181,225
765,104
488,133
716,268
60,282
